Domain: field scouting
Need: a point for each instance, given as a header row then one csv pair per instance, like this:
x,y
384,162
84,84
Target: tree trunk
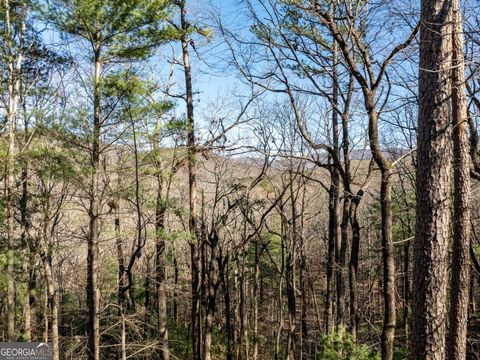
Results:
x,y
228,312
290,274
303,279
406,288
433,183
27,245
46,246
31,294
342,262
333,201
245,334
283,235
10,225
388,333
147,287
14,69
389,303
53,305
175,302
161,272
457,331
93,295
192,186
256,280
353,265
120,256
46,323
123,335
27,311
210,289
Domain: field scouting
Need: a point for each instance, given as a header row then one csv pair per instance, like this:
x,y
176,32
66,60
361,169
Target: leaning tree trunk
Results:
x,y
385,165
389,301
432,183
457,332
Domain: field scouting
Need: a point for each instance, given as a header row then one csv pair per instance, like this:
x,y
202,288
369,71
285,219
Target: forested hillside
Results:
x,y
248,180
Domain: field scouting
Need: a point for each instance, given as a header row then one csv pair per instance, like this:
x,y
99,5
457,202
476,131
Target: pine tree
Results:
x,y
115,31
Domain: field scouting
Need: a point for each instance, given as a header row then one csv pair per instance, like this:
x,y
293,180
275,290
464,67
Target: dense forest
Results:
x,y
241,179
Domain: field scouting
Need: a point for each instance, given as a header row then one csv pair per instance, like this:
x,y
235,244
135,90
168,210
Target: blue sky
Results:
x,y
210,79
212,82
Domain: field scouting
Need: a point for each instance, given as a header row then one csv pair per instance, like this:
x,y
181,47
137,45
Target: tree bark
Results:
x,y
432,183
459,289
